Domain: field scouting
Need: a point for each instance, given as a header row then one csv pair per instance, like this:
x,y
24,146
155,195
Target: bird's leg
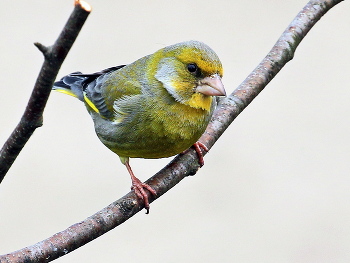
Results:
x,y
198,146
138,187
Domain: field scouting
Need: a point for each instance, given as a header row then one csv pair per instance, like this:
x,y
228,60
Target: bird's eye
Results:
x,y
192,68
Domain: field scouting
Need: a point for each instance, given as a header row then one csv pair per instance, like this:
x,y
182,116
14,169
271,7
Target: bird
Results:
x,y
155,107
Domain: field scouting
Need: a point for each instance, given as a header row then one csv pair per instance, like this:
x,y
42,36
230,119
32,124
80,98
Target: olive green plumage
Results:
x,y
144,118
155,107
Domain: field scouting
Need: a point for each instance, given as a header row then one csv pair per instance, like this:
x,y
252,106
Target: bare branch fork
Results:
x,y
32,117
182,166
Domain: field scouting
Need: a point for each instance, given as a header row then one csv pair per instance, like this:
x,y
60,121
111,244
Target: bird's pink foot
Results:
x,y
198,146
139,189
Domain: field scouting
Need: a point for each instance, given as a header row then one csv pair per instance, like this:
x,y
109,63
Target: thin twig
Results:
x,y
281,53
54,57
184,164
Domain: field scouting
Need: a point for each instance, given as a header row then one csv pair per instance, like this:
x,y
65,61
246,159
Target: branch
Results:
x,y
54,57
184,164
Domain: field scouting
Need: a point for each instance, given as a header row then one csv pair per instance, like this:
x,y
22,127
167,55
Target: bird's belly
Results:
x,y
149,139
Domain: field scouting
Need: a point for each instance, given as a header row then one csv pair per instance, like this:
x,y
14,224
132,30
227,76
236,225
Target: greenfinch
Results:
x,y
155,107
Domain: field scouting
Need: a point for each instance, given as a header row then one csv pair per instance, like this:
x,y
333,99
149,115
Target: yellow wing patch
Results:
x,y
89,102
68,92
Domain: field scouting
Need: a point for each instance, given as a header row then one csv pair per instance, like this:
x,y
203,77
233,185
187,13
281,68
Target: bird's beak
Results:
x,y
211,86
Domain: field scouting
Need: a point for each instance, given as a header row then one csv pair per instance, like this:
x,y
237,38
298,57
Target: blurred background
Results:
x,y
274,188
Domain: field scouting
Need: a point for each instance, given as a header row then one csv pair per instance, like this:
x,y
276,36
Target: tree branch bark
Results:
x,y
33,114
183,164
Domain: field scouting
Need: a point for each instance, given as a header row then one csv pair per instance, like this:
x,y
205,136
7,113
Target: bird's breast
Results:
x,y
153,130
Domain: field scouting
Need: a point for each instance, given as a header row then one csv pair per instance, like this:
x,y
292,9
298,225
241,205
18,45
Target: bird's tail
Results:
x,y
75,83
71,84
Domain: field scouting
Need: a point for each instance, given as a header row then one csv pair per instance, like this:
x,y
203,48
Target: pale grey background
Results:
x,y
275,187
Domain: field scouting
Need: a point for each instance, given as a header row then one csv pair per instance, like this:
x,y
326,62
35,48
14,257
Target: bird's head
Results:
x,y
191,72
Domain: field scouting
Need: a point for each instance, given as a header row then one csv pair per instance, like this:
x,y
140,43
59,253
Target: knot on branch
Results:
x,y
44,49
31,123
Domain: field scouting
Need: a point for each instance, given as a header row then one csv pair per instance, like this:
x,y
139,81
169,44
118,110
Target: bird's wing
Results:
x,y
91,85
93,76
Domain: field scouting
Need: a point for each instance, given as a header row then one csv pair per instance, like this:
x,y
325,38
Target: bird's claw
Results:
x,y
198,146
139,189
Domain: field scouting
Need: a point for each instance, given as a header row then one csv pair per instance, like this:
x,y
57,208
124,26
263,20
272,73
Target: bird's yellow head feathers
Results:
x,y
190,71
